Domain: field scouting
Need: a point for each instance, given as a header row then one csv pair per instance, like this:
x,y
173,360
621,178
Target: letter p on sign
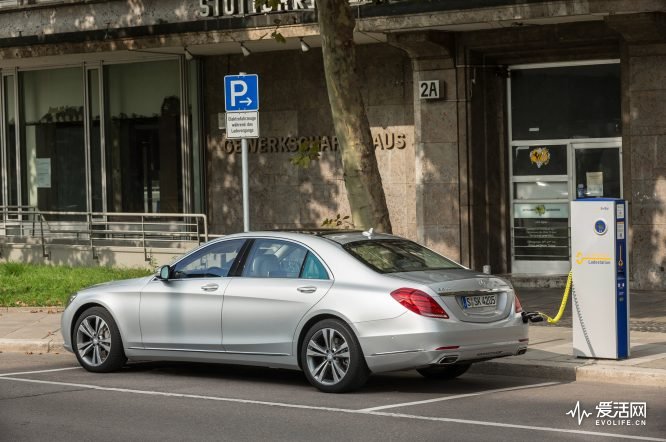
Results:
x,y
238,90
241,93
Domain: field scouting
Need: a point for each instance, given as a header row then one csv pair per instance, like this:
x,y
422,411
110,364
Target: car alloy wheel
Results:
x,y
93,340
97,342
331,357
328,356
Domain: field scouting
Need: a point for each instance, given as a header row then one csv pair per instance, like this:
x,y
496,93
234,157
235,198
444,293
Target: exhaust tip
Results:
x,y
522,351
448,360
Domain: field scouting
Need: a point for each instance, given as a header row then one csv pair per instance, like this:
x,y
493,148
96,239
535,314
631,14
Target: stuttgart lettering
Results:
x,y
217,8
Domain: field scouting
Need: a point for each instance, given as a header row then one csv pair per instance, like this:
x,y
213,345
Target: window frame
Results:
x,y
243,258
205,249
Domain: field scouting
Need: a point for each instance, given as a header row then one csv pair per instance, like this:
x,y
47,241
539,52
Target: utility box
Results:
x,y
600,296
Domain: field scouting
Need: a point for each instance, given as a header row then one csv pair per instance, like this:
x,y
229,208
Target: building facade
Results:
x,y
488,117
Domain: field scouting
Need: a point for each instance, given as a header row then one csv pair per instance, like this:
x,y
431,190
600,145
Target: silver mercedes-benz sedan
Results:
x,y
337,305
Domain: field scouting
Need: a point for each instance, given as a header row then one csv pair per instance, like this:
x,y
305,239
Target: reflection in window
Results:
x,y
211,262
143,137
313,268
397,255
566,102
598,173
53,166
9,170
274,259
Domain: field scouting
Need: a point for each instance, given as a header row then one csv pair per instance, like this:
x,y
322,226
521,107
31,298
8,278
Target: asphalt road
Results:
x,y
48,397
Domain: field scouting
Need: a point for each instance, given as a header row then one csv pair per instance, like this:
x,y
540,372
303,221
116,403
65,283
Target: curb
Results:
x,y
624,375
31,346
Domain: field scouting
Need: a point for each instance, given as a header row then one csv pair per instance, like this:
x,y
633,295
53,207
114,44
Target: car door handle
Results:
x,y
308,289
210,287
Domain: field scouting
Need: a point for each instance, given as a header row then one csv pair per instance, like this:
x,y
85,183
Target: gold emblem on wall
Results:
x,y
540,156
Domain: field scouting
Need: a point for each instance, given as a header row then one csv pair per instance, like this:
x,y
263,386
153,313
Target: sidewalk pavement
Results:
x,y
37,330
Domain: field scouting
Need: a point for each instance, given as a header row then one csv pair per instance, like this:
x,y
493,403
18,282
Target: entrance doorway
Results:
x,y
565,144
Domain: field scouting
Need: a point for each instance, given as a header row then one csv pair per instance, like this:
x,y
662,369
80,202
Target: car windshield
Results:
x,y
397,255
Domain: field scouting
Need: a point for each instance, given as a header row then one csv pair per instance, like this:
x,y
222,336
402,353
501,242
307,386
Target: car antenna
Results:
x,y
368,233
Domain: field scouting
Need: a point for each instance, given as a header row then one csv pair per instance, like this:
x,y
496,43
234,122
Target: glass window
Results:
x,y
95,141
541,190
197,164
539,160
143,137
210,262
10,141
53,161
271,258
397,255
598,172
566,102
313,268
541,232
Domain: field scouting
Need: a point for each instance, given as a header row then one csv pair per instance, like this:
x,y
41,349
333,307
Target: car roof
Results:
x,y
339,236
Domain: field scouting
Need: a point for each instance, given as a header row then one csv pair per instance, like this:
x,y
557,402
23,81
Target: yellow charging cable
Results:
x,y
556,319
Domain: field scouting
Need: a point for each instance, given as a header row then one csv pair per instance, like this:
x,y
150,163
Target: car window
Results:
x,y
212,261
272,258
313,268
397,255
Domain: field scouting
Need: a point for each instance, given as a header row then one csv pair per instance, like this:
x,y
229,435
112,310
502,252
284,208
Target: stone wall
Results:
x,y
644,146
294,104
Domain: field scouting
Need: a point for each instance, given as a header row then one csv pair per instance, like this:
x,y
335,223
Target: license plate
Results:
x,y
479,301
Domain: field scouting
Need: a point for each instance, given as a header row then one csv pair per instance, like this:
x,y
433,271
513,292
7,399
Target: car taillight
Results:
x,y
516,303
419,302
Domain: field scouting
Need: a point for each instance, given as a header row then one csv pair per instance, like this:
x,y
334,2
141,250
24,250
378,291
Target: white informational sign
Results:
x,y
595,184
535,210
43,166
242,125
429,90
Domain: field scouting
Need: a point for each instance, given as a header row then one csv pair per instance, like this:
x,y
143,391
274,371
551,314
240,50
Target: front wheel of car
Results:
x,y
444,373
332,358
96,341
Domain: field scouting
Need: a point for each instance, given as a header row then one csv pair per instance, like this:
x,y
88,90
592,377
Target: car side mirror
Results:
x,y
164,273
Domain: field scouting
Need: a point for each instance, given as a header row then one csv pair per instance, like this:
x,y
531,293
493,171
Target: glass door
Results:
x,y
597,169
540,208
564,129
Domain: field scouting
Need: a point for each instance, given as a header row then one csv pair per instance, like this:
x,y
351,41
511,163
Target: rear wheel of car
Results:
x,y
332,358
96,341
444,373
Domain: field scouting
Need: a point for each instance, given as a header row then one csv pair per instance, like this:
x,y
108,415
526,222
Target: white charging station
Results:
x,y
599,260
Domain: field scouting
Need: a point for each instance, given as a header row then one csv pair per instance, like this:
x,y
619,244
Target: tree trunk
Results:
x,y
359,163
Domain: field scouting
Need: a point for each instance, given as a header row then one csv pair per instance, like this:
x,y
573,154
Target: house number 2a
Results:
x,y
429,90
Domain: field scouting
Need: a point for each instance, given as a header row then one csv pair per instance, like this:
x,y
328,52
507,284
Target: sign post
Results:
x,y
241,103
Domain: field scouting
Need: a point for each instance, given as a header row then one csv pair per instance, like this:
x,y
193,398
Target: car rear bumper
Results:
x,y
412,341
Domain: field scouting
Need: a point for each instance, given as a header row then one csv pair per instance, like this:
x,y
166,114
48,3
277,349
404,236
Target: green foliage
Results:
x,y
12,269
338,222
308,151
28,285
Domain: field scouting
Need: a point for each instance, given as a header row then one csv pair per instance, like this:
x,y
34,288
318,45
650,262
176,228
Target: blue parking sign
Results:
x,y
241,93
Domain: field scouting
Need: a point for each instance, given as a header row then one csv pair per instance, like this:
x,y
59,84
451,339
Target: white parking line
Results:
x,y
339,410
458,396
39,371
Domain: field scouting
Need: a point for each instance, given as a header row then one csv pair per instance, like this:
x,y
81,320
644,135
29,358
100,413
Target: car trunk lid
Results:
x,y
468,295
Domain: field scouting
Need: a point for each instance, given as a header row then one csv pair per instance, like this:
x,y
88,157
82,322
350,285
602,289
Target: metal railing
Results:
x,y
98,229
